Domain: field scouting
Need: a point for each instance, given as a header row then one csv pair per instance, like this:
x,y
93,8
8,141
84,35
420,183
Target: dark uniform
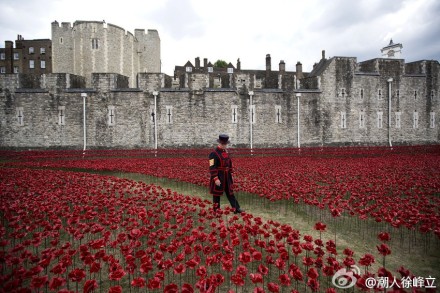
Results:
x,y
220,167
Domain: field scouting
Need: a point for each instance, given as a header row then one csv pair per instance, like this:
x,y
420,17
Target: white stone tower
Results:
x,y
97,47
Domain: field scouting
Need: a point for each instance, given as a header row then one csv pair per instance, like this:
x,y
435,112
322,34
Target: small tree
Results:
x,y
220,63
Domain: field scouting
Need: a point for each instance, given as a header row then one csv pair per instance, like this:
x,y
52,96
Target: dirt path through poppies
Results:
x,y
421,258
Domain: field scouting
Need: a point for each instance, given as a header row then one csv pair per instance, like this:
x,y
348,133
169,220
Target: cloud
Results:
x,y
179,19
289,30
24,11
343,15
417,27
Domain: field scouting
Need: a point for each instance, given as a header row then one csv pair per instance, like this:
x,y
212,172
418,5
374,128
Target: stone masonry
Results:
x,y
341,102
93,47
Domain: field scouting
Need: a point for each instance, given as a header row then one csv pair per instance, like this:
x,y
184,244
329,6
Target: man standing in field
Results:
x,y
220,167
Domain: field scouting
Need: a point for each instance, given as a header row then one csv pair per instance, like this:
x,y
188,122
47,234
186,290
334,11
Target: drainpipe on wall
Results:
x,y
155,93
298,95
251,93
84,96
390,80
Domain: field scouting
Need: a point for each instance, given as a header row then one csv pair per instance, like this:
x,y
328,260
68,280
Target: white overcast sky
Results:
x,y
289,30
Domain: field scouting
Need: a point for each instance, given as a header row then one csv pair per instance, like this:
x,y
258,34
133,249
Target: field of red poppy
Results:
x,y
317,220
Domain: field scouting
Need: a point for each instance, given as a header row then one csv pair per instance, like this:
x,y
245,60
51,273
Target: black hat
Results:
x,y
223,139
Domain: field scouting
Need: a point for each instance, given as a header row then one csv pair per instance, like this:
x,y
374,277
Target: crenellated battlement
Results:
x,y
87,47
382,101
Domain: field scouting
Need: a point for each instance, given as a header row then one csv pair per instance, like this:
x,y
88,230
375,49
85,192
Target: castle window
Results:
x,y
362,119
2,56
16,56
398,119
61,40
169,111
230,70
31,64
61,115
432,96
31,50
15,69
362,93
258,83
398,94
343,93
343,120
111,115
2,69
42,50
234,117
210,69
95,43
432,120
415,95
42,64
152,115
189,69
415,119
20,116
278,114
379,95
379,119
252,113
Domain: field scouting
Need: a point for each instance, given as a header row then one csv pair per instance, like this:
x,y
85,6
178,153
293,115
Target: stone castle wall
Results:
x,y
368,92
349,107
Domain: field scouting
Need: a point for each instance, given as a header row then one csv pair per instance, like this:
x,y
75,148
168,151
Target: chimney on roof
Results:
x,y
282,66
268,62
197,63
299,70
238,64
323,54
205,62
